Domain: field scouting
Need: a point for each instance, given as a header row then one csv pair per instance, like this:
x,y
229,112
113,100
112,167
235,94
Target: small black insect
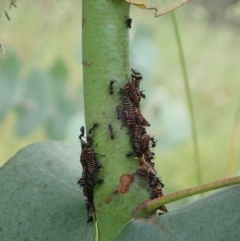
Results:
x,y
82,181
136,78
128,22
82,130
135,75
130,154
154,181
95,125
154,142
110,88
150,157
142,94
111,131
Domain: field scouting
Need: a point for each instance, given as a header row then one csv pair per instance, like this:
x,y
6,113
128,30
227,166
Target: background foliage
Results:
x,y
40,82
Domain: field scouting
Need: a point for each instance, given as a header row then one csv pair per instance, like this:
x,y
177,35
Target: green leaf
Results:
x,y
215,217
40,198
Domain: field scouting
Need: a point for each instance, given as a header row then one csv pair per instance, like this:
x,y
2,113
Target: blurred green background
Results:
x,y
41,82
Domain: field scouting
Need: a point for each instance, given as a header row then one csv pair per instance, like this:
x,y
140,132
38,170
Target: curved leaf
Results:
x,y
40,198
215,217
160,6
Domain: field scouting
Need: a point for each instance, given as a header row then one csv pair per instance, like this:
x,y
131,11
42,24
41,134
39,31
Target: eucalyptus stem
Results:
x,y
147,207
189,99
105,58
105,49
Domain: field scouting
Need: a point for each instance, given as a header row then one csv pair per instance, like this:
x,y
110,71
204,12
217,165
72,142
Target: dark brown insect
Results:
x,y
142,171
94,126
128,112
139,130
90,211
82,131
89,161
128,22
131,93
140,119
129,118
137,145
145,170
87,187
88,192
85,154
156,192
145,141
88,181
89,216
90,165
111,131
110,88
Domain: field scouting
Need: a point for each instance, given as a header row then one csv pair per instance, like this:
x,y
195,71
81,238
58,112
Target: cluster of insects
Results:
x,y
90,165
142,143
